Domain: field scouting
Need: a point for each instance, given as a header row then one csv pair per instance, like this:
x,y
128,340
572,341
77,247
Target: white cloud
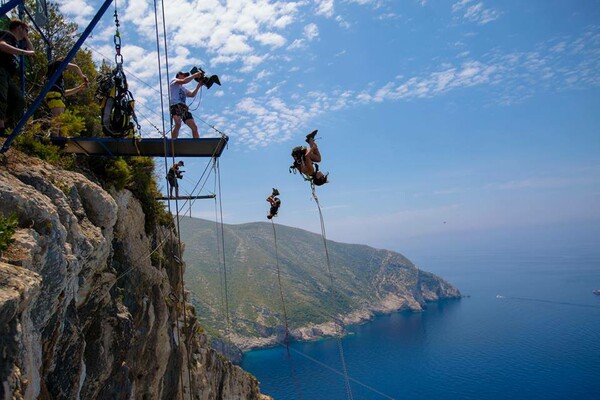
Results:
x,y
311,31
325,8
342,22
78,10
542,183
271,39
476,12
297,44
243,37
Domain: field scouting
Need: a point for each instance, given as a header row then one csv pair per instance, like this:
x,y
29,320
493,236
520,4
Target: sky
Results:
x,y
441,123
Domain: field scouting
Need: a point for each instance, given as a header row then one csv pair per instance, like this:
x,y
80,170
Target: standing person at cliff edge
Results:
x,y
12,102
177,102
57,93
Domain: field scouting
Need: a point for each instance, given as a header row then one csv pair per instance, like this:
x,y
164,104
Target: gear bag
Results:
x,y
118,114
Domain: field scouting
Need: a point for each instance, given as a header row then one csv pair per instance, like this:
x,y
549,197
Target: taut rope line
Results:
x,y
339,340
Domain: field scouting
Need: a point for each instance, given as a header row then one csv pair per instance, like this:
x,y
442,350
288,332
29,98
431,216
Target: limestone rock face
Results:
x,y
91,306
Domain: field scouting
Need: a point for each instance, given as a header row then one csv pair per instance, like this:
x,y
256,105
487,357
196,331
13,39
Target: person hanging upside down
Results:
x,y
179,110
306,159
275,204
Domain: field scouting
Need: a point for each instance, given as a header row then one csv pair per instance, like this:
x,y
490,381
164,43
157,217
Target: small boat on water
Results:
x,y
596,292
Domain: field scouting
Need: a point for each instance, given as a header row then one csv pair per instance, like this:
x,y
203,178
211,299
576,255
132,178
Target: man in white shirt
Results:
x,y
179,110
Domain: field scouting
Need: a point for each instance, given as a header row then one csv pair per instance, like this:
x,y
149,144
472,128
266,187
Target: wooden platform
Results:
x,y
209,147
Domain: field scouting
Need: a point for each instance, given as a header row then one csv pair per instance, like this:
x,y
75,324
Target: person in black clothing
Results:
x,y
275,203
12,102
57,93
172,176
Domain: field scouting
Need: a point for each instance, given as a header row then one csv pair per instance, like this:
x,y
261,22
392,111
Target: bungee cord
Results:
x,y
332,289
322,364
176,257
285,316
226,291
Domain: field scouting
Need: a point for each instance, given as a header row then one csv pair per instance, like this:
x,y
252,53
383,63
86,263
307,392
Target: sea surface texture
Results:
x,y
530,329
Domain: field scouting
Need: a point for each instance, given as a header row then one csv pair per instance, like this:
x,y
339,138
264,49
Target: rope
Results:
x,y
227,317
287,330
339,340
213,157
162,4
340,373
217,236
179,245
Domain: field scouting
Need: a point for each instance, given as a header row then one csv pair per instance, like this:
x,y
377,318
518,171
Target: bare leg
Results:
x,y
313,152
55,129
192,124
177,125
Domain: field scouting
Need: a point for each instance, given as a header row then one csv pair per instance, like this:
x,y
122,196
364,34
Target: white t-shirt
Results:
x,y
178,93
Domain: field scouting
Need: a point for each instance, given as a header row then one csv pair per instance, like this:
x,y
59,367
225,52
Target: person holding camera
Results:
x,y
177,102
172,176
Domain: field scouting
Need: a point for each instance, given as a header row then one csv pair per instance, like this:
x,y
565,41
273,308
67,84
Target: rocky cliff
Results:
x,y
91,306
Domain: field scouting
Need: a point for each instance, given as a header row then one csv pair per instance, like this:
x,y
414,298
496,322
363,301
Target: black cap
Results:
x,y
186,74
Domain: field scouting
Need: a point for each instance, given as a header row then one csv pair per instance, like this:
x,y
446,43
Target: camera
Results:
x,y
208,81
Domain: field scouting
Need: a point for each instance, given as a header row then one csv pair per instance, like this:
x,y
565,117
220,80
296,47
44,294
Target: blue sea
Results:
x,y
529,329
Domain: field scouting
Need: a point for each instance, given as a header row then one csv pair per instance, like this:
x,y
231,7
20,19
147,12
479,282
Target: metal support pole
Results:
x,y
22,69
9,6
36,103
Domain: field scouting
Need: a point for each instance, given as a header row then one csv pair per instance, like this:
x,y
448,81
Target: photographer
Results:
x,y
172,176
177,102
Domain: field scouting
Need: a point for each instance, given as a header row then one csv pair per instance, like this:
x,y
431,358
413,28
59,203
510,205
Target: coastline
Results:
x,y
331,329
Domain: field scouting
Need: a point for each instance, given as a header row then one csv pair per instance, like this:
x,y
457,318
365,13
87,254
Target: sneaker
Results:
x,y
275,192
311,136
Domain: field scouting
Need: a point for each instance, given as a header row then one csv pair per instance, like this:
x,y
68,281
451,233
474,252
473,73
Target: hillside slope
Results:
x,y
367,281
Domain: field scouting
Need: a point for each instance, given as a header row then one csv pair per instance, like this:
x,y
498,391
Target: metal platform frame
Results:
x,y
150,147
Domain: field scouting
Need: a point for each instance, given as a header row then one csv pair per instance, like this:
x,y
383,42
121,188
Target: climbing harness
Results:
x,y
298,153
117,103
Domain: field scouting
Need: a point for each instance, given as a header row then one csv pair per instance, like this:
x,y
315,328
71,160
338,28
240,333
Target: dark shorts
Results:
x,y
172,181
182,111
273,210
12,103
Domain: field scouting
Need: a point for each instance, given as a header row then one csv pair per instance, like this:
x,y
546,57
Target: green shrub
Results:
x,y
144,188
117,172
7,230
31,143
68,124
